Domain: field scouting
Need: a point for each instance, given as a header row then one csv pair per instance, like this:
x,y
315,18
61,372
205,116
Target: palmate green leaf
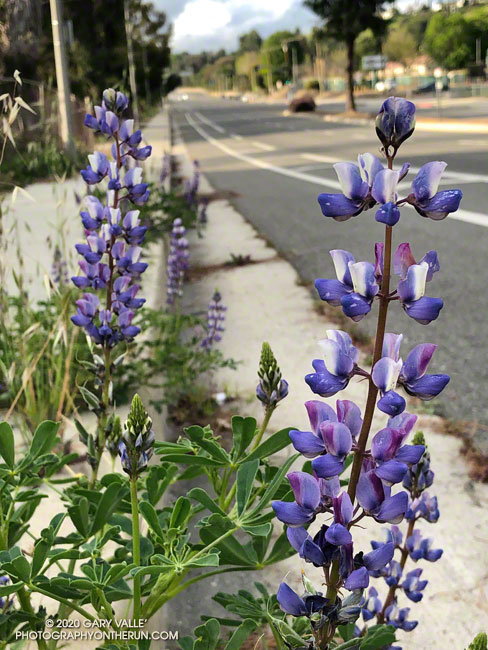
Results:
x,y
212,559
243,431
212,447
271,445
259,530
377,637
7,444
245,629
6,590
231,550
191,459
206,637
41,550
245,480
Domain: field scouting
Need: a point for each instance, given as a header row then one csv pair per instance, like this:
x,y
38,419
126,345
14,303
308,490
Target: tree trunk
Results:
x,y
350,102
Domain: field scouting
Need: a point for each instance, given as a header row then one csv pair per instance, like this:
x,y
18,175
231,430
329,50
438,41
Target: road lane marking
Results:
x,y
466,216
317,158
235,136
202,118
263,146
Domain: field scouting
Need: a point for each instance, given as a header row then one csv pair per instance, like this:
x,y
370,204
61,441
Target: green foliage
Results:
x,y
250,42
278,50
39,353
40,159
449,39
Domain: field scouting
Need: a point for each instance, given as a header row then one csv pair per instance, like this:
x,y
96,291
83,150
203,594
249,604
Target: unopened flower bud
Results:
x,y
395,122
271,388
137,441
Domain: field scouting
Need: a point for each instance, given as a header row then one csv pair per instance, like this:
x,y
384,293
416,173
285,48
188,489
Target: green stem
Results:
x,y
25,601
64,601
277,637
267,416
136,546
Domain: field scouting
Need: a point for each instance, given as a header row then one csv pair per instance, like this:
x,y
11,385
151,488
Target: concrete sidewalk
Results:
x,y
266,301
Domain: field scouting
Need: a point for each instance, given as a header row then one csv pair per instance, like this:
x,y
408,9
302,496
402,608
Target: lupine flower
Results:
x,y
97,169
312,443
308,500
398,618
355,287
112,253
291,603
337,439
215,320
419,547
59,268
136,444
395,122
5,603
391,456
411,288
177,262
375,498
334,372
393,573
412,585
271,388
390,371
424,507
420,476
426,199
384,191
372,605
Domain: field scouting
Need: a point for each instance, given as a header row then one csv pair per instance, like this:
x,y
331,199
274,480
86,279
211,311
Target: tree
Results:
x,y
250,42
449,39
400,46
246,66
344,21
277,52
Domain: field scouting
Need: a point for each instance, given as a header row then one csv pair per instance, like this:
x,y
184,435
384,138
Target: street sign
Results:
x,y
373,62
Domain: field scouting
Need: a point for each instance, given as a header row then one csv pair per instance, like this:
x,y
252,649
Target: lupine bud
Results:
x,y
136,444
395,122
115,101
114,434
271,388
480,642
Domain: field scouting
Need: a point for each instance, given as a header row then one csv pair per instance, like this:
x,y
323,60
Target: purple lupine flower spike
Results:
x,y
215,321
177,262
112,253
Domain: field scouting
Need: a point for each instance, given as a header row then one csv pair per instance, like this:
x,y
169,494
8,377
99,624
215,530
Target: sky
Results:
x,y
213,24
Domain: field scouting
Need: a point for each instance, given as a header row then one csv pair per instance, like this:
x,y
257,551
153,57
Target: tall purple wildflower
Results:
x,y
111,263
215,321
192,185
177,262
341,435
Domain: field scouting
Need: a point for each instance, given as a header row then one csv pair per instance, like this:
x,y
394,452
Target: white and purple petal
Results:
x,y
424,310
352,185
425,184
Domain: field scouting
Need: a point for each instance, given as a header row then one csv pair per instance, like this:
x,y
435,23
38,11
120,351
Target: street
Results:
x,y
279,164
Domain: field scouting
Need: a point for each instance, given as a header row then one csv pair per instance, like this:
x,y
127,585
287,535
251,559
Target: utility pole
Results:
x,y
132,67
62,77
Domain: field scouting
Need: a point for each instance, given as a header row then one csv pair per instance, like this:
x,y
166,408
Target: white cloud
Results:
x,y
213,24
201,17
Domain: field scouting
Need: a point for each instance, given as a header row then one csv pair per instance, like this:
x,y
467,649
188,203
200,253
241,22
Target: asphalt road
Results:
x,y
279,164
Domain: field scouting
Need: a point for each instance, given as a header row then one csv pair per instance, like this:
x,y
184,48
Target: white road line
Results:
x,y
474,142
317,158
235,136
466,216
263,146
202,118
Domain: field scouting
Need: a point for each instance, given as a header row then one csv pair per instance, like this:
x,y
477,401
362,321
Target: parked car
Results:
x,y
430,87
